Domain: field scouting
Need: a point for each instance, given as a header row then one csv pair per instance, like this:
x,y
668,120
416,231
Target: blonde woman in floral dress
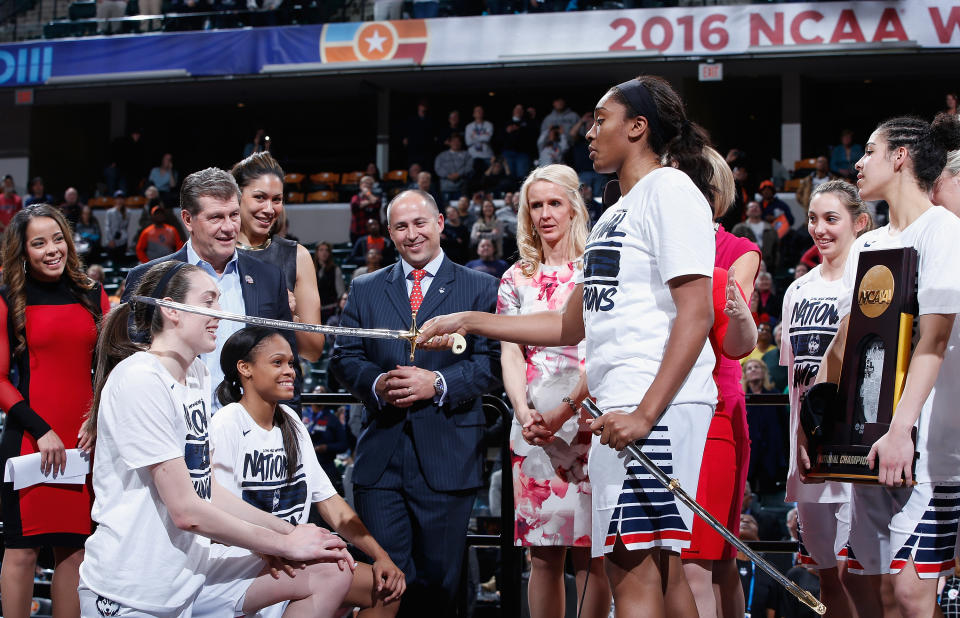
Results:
x,y
548,446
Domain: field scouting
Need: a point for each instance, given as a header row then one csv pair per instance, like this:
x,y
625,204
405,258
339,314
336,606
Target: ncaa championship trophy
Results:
x,y
880,338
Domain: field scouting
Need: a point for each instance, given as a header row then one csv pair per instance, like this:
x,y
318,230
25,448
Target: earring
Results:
x,y
24,264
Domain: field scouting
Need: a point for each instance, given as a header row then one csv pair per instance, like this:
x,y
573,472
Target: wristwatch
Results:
x,y
438,385
570,402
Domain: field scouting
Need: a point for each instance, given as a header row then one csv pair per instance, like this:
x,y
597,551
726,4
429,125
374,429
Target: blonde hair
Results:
x,y
528,241
767,384
723,190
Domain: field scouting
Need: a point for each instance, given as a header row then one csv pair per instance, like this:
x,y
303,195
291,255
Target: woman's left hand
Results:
x,y
87,436
736,306
389,578
292,301
541,428
278,565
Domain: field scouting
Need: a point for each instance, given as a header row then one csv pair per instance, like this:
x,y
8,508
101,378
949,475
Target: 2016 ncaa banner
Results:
x,y
799,29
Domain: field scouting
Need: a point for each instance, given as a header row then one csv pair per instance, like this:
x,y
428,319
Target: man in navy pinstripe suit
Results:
x,y
419,457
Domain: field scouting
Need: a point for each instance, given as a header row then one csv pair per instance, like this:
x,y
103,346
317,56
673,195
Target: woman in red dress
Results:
x,y
49,314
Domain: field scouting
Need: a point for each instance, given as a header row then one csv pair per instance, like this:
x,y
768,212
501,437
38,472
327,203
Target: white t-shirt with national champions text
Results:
x,y
934,235
661,229
250,462
138,557
810,321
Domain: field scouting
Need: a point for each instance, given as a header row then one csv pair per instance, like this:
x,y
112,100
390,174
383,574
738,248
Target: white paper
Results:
x,y
24,471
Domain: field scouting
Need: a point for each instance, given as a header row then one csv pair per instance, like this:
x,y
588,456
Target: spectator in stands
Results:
x,y
259,144
374,172
151,7
455,238
453,126
820,175
497,177
87,232
71,206
127,163
765,342
759,231
552,145
424,182
771,358
95,272
845,155
165,179
478,135
260,179
768,432
334,320
580,152
951,99
329,438
384,10
330,284
153,199
10,202
413,176
773,207
453,166
487,261
594,205
507,214
373,262
373,239
800,270
488,226
737,211
419,137
467,217
425,9
758,587
116,228
561,116
37,193
519,142
110,9
365,205
158,239
770,300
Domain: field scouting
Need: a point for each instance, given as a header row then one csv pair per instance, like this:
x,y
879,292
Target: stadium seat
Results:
x,y
396,176
805,164
294,197
324,180
100,202
791,185
293,180
322,196
136,201
351,178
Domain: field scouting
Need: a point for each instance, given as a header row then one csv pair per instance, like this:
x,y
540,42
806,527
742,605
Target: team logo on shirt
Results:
x,y
106,607
601,267
196,453
265,484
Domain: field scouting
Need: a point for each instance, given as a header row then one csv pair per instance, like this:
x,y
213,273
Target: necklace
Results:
x,y
259,247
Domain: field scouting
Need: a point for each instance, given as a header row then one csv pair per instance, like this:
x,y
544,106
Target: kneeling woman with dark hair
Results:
x,y
158,506
261,452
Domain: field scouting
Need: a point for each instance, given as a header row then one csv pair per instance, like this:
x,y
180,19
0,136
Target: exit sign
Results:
x,y
23,96
711,71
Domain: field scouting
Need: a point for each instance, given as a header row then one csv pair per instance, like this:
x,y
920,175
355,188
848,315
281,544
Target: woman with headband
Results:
x,y
157,504
645,307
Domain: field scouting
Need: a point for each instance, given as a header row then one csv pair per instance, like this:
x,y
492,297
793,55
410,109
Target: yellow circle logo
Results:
x,y
876,291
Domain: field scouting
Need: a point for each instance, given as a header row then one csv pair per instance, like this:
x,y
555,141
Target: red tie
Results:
x,y
416,295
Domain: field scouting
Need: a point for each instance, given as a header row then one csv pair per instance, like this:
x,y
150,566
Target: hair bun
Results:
x,y
945,131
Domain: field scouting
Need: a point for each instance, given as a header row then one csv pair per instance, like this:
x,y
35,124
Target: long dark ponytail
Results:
x,y
114,343
242,346
677,140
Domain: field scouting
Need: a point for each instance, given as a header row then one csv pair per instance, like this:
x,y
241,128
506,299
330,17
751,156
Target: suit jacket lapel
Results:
x,y
439,291
397,293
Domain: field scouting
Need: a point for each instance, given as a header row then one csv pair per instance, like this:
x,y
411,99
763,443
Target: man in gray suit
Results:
x,y
419,457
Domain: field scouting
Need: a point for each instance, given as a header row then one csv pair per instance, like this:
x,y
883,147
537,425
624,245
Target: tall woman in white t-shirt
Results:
x,y
645,308
811,318
158,506
908,528
261,452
